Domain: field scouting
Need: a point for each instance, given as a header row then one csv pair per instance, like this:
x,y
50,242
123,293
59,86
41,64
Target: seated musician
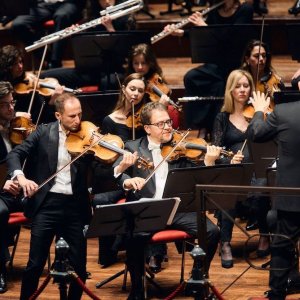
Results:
x,y
8,202
158,127
12,70
29,28
74,78
209,79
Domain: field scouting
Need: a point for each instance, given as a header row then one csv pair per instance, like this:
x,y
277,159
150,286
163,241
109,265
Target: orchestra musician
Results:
x,y
209,79
142,60
282,124
230,131
12,70
74,78
119,122
29,28
8,202
158,127
257,61
61,207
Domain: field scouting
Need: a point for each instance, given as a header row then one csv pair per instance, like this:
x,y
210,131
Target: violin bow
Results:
x,y
167,156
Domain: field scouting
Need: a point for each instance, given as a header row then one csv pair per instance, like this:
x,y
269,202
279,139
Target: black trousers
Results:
x,y
182,221
283,252
8,204
59,216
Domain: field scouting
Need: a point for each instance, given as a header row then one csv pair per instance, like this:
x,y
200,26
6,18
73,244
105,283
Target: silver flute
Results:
x,y
113,12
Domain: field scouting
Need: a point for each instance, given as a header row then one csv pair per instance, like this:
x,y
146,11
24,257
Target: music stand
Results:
x,y
145,215
105,52
182,182
223,45
293,31
95,106
286,96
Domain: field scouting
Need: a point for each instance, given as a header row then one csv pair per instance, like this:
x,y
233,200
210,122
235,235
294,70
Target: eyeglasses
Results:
x,y
8,104
162,124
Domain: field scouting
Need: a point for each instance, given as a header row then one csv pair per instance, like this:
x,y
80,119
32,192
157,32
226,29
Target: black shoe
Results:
x,y
154,263
251,225
3,285
295,9
293,286
226,256
136,295
270,295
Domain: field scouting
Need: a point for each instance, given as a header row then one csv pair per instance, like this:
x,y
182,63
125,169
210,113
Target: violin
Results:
x,y
45,87
20,128
157,88
106,148
191,148
135,119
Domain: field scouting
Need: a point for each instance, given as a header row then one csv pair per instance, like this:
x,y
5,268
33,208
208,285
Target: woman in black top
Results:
x,y
230,130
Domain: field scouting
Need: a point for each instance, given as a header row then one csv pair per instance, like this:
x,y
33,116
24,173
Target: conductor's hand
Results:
x,y
197,19
171,28
135,183
237,158
29,187
260,102
212,153
128,160
11,187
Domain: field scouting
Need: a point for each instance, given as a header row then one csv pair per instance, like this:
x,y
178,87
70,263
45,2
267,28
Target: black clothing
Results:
x,y
209,79
52,213
282,124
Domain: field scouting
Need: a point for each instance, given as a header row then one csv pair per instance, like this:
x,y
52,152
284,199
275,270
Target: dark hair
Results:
x,y
8,57
150,58
5,89
247,53
59,102
147,110
122,99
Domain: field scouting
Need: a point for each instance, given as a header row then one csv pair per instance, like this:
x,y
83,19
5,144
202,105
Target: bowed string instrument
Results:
x,y
88,140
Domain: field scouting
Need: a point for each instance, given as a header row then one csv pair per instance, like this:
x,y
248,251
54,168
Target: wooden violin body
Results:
x,y
20,128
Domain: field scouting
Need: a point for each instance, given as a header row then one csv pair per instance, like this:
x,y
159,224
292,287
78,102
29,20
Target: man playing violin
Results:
x,y
158,126
60,207
8,202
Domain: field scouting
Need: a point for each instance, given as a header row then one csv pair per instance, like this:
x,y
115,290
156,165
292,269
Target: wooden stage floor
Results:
x,y
252,283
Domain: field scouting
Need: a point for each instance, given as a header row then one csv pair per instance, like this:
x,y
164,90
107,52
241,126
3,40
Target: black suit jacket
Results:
x,y
42,145
3,150
284,124
148,191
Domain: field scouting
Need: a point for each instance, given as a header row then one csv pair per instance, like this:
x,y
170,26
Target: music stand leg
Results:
x,y
103,282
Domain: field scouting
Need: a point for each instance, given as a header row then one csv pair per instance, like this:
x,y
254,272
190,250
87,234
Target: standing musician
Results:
x,y
61,207
75,78
8,202
29,28
209,79
158,127
12,70
257,61
230,131
282,124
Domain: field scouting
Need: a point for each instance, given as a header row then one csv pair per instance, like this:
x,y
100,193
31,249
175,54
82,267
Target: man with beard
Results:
x,y
61,207
158,126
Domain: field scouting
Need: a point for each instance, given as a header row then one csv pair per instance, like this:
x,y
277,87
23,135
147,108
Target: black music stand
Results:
x,y
286,96
223,45
145,215
293,33
105,52
95,106
181,182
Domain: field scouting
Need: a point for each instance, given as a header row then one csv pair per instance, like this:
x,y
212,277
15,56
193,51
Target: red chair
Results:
x,y
16,219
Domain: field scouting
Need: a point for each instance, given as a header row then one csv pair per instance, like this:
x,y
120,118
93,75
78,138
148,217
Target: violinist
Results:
x,y
60,208
12,70
158,127
8,202
257,61
142,60
230,131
